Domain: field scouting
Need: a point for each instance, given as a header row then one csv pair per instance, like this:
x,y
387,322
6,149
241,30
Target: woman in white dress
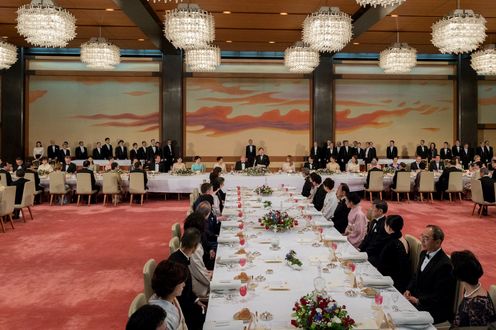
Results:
x,y
353,166
288,166
220,163
333,166
38,151
45,168
168,282
331,200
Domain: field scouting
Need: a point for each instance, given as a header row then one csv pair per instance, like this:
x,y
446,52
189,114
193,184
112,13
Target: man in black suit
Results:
x,y
19,164
456,150
138,168
330,151
108,151
320,193
69,166
64,151
487,188
422,150
242,164
53,151
376,237
415,166
466,155
445,151
392,150
262,158
374,166
436,164
480,151
154,150
193,309
432,287
316,153
488,153
359,151
395,177
142,151
169,154
369,153
345,153
85,169
81,151
442,183
311,164
251,152
307,186
19,184
5,170
121,150
157,165
133,153
98,152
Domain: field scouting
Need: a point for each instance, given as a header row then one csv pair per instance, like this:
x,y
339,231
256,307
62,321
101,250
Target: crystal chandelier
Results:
x,y
45,25
460,32
165,1
327,30
398,58
189,27
484,61
383,3
98,53
203,59
8,55
301,58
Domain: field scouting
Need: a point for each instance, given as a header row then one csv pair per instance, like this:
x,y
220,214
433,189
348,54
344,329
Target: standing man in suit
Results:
x,y
121,151
19,184
488,153
53,151
98,151
68,166
466,156
359,151
242,164
81,151
320,193
432,287
142,151
345,153
193,309
368,154
251,152
169,154
480,151
376,237
316,153
64,151
86,169
436,164
133,153
108,151
262,158
330,151
445,151
456,150
392,150
422,150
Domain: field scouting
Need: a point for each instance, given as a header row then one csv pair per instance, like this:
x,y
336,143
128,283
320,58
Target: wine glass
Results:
x,y
241,226
242,241
243,290
395,297
242,262
378,299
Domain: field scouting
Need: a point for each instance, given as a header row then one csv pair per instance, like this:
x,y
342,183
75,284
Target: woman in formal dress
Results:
x,y
92,165
168,282
458,164
476,308
178,165
288,166
432,151
394,259
340,217
331,200
353,166
395,165
357,221
333,166
220,163
45,168
38,151
197,165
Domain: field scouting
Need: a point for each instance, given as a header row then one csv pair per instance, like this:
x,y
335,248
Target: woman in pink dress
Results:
x,y
357,221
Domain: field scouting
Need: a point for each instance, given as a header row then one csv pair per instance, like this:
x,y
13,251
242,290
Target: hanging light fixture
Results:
x,y
301,58
383,3
8,55
45,25
189,27
165,1
327,30
460,32
203,59
484,61
399,57
98,53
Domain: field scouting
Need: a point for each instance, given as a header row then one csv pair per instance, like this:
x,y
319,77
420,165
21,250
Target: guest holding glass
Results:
x,y
353,166
288,166
197,165
357,221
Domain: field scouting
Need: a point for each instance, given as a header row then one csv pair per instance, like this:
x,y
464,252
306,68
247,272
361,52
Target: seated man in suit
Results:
x,y
436,164
442,183
374,166
262,159
415,166
5,169
19,184
242,164
307,186
138,168
86,169
432,287
487,188
19,164
157,165
121,150
376,237
310,164
320,193
81,151
395,177
193,309
209,238
68,166
98,152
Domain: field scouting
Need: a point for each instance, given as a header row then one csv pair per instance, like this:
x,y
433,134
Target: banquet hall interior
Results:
x,y
115,115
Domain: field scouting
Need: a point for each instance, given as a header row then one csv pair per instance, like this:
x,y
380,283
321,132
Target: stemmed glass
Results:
x,y
395,297
243,290
242,262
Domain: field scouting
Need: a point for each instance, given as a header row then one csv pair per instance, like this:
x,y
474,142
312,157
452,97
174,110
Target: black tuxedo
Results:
x,y
9,177
445,153
414,166
313,166
121,152
133,154
390,154
51,153
238,167
71,168
142,153
442,183
488,154
145,178
340,217
81,154
262,160
150,153
422,151
466,157
456,151
331,152
192,312
107,151
93,181
319,197
369,154
434,167
307,187
360,153
316,154
161,167
98,154
480,151
169,154
434,287
375,240
63,153
19,167
344,157
368,176
487,188
251,153
19,184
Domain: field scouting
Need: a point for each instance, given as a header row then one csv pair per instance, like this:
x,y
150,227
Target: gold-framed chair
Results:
x,y
7,202
426,185
136,186
138,302
492,293
415,249
3,179
27,200
174,245
455,185
478,197
176,230
148,270
83,187
110,187
31,177
376,183
403,185
57,186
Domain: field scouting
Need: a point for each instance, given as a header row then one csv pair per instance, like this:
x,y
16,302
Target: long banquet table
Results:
x,y
306,243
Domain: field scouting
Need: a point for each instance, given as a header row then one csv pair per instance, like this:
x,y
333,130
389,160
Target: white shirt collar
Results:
x,y
430,255
184,254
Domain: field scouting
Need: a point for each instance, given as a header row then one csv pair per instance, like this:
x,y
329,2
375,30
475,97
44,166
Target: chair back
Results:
x,y
29,176
492,294
415,249
426,183
376,182
192,200
138,302
57,183
195,193
455,183
3,179
136,183
148,271
176,230
110,183
403,183
83,183
476,189
28,194
8,201
174,245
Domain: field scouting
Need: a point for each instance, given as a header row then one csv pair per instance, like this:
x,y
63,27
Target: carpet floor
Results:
x,y
80,267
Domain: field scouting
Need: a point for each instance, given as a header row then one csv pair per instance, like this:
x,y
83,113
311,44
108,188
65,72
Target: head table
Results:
x,y
275,286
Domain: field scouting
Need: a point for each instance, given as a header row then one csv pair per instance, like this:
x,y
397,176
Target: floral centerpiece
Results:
x,y
324,171
388,170
293,261
118,171
267,204
277,221
255,171
264,190
318,312
183,172
43,173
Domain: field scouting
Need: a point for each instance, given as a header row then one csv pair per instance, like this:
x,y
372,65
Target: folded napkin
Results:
x,y
228,259
324,223
368,280
311,212
227,239
224,285
314,259
411,318
230,224
334,238
278,286
355,256
225,325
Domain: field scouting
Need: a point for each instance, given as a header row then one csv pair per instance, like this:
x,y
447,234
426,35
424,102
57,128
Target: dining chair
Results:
x,y
403,185
148,270
31,177
138,302
492,293
27,200
415,249
426,185
174,244
176,230
136,186
7,202
455,184
57,186
477,196
83,187
110,187
376,183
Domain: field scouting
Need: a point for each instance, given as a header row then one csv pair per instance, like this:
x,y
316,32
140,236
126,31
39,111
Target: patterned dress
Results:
x,y
475,312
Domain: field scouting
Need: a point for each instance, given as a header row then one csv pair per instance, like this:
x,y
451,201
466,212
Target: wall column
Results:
x,y
322,121
467,100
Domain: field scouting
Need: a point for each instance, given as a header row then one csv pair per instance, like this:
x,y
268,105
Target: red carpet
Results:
x,y
79,268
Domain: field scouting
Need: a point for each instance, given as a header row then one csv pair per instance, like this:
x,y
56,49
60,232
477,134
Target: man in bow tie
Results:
x,y
376,237
251,152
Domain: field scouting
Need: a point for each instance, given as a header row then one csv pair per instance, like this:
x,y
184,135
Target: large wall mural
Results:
x,y
487,102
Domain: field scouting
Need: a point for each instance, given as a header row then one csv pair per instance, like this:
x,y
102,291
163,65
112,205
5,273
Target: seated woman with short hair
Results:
x,y
357,221
178,165
220,164
147,317
197,165
288,166
353,166
333,166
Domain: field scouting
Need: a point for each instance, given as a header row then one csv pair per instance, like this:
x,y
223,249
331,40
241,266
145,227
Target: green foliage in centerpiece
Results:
x,y
277,220
255,171
264,190
183,172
